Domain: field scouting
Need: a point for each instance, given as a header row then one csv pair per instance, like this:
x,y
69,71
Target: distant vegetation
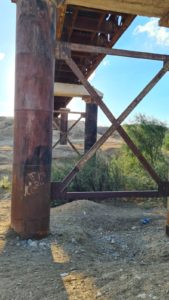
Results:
x,y
122,171
5,183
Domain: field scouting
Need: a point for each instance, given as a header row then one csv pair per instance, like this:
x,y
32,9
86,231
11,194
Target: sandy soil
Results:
x,y
76,136
95,251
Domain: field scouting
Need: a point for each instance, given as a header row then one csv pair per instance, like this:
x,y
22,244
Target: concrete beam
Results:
x,y
71,90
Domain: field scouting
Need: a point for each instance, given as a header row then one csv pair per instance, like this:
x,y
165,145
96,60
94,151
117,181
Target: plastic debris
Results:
x,y
145,221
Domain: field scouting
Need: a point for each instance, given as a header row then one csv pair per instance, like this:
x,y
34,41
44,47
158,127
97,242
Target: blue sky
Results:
x,y
120,79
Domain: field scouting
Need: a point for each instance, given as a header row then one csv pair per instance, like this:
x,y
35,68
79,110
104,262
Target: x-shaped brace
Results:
x,y
115,122
69,129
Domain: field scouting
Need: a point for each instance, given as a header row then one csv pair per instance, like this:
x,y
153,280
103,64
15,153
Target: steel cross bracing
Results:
x,y
57,126
63,52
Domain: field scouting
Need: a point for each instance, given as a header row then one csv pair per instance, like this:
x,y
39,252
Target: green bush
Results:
x,y
148,134
123,171
99,174
166,141
5,183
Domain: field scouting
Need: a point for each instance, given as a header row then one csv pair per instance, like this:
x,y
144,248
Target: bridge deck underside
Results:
x,y
89,27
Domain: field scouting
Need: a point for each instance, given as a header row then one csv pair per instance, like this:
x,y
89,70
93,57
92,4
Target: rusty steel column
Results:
x,y
63,127
90,126
167,221
33,118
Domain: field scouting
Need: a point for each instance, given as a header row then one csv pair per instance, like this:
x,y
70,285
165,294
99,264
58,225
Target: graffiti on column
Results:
x,y
36,170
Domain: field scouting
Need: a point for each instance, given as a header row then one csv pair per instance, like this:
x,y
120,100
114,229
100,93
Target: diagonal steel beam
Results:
x,y
55,124
74,124
97,145
55,144
73,146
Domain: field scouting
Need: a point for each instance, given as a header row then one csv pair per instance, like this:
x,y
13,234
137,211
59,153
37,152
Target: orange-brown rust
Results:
x,y
33,118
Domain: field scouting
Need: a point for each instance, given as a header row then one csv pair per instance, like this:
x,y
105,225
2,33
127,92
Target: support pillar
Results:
x,y
33,117
167,221
63,127
90,126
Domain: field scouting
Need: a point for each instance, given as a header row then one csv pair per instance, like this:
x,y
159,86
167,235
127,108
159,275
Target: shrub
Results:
x,y
100,174
5,183
166,141
123,171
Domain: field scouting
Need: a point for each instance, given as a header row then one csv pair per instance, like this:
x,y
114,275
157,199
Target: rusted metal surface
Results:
x,y
167,219
33,118
167,226
57,193
76,122
56,125
116,123
115,52
90,126
64,131
73,147
98,30
63,127
111,194
164,188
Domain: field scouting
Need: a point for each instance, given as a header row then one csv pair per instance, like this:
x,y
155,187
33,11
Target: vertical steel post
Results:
x,y
33,117
90,126
167,220
63,127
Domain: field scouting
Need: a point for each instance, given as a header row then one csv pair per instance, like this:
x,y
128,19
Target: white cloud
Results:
x,y
106,62
2,55
159,35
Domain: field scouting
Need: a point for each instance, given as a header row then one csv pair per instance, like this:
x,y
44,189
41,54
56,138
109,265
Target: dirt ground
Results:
x,y
95,251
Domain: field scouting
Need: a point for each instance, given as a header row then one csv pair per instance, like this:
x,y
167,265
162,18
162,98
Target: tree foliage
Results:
x,y
123,171
166,141
148,134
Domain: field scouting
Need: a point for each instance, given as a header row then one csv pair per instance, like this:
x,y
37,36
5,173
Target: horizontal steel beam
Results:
x,y
70,112
116,52
114,194
56,193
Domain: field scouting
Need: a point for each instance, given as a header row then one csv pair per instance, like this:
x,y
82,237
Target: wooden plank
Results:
x,y
126,23
164,21
151,8
71,90
89,25
61,11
